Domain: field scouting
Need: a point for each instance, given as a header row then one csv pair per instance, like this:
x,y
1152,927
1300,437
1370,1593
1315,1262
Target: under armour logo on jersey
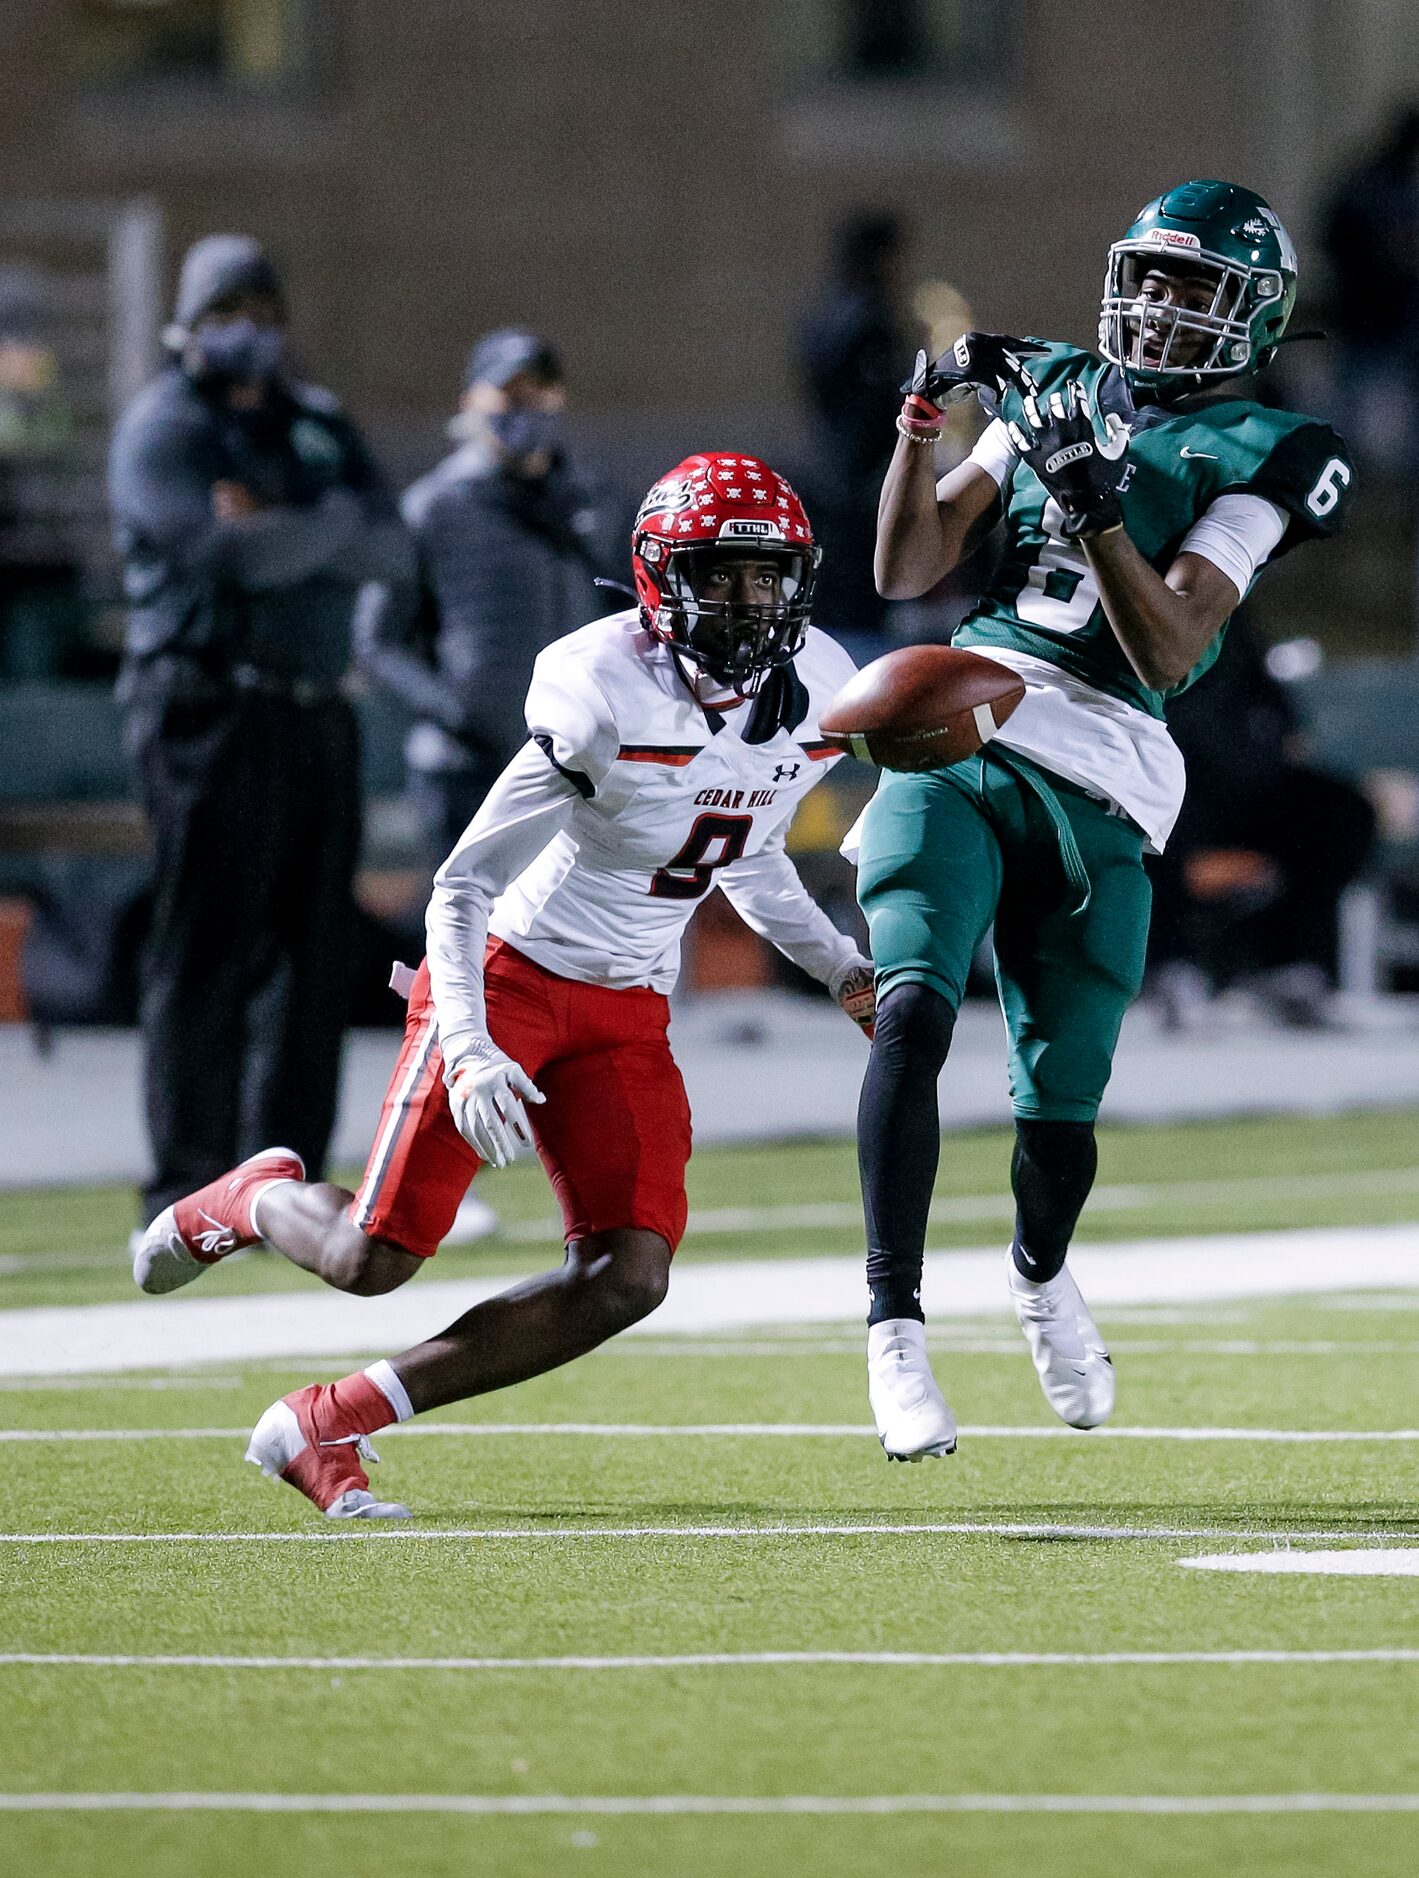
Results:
x,y
786,772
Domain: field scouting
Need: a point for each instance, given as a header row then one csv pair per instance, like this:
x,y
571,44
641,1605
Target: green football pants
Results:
x,y
948,851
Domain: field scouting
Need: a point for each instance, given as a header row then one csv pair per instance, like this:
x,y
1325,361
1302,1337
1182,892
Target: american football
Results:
x,y
922,707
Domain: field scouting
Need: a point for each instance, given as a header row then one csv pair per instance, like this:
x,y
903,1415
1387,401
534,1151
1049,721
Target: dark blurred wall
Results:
x,y
656,186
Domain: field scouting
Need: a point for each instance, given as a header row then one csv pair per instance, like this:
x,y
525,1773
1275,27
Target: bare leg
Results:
x,y
609,1281
309,1223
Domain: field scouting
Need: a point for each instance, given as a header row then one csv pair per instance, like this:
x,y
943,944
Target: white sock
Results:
x,y
382,1375
260,1195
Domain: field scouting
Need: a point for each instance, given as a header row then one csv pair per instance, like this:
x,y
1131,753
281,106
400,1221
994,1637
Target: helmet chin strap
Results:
x,y
707,688
1180,387
702,686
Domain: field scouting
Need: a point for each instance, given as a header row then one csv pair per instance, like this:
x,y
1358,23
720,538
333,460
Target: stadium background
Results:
x,y
659,193
657,189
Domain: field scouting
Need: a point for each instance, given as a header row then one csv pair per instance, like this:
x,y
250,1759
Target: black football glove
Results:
x,y
1058,440
977,362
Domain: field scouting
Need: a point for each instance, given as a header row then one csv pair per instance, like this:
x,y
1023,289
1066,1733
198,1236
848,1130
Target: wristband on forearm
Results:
x,y
920,420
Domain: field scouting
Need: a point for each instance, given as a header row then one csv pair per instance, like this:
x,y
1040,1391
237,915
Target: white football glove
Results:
x,y
854,989
486,1092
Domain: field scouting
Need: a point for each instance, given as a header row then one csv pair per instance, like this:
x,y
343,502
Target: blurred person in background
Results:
x,y
1371,237
507,544
1248,890
850,352
247,511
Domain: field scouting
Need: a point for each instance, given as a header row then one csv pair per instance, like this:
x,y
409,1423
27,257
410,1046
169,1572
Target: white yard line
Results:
x,y
946,1346
673,1349
660,1805
705,1296
1402,1562
1377,1302
358,1532
19,1264
753,1659
111,1385
791,1431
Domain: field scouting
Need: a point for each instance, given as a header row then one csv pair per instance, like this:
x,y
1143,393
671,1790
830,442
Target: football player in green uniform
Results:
x,y
1140,489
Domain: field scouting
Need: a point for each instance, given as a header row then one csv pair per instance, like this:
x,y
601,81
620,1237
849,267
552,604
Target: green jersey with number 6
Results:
x,y
1043,601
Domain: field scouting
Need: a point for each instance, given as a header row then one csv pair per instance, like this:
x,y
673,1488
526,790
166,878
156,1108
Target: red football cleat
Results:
x,y
313,1440
194,1233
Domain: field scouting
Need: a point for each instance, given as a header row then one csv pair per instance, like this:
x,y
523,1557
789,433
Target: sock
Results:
x,y
899,1144
252,1224
385,1379
1051,1172
356,1405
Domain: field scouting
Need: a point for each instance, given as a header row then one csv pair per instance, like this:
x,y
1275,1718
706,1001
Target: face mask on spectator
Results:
x,y
524,433
240,350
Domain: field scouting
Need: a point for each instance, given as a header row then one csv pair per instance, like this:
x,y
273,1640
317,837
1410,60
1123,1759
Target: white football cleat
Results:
x,y
1075,1369
912,1418
162,1260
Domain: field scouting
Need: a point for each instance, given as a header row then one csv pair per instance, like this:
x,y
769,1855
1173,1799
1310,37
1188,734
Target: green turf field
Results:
x,y
65,1245
734,1542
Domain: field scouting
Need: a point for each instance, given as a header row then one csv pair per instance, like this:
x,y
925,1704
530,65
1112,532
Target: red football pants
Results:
x,y
613,1134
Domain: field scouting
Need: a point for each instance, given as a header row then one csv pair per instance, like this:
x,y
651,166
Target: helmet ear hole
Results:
x,y
646,590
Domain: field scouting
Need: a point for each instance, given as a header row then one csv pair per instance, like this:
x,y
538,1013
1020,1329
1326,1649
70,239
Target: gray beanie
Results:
x,y
220,265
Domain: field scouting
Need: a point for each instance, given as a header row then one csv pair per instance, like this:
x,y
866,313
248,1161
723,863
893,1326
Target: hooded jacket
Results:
x,y
274,590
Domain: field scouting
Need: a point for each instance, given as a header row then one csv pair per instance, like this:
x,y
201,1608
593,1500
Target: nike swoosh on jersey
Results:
x,y
1207,454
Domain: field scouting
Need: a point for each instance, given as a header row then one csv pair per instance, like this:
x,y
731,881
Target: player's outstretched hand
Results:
x,y
486,1094
977,361
1057,438
855,990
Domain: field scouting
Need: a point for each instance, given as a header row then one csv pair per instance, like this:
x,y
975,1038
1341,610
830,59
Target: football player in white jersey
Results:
x,y
669,747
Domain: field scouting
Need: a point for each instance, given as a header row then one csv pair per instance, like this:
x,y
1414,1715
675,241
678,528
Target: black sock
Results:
x,y
1051,1172
899,1144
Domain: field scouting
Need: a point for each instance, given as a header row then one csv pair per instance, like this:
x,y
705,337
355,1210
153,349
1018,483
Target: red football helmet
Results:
x,y
709,510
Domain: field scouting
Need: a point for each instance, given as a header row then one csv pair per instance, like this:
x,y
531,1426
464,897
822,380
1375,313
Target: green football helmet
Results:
x,y
1224,235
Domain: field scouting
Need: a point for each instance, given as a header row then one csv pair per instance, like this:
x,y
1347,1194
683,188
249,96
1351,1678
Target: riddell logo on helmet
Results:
x,y
757,530
668,497
1171,238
